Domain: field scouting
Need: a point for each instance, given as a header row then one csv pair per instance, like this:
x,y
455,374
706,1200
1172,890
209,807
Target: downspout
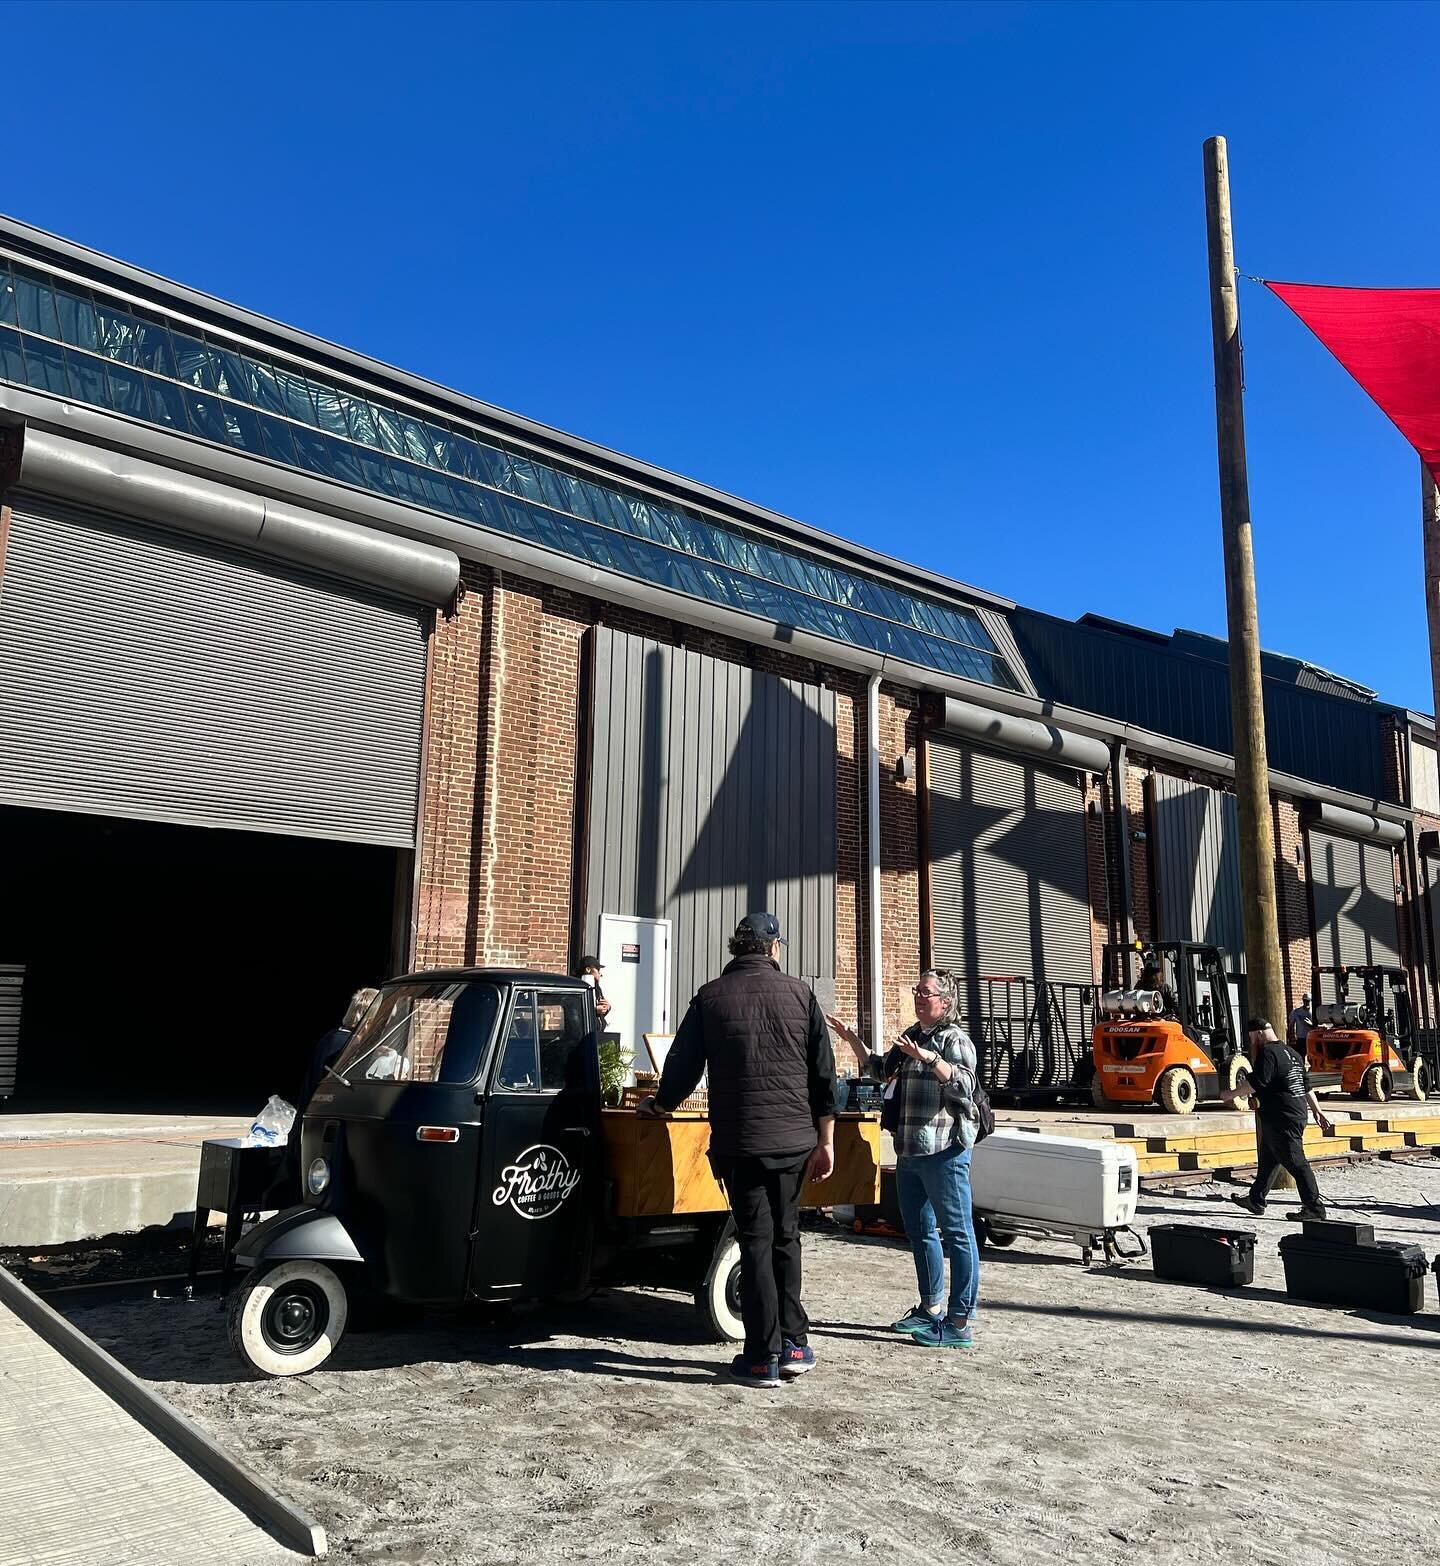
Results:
x,y
872,799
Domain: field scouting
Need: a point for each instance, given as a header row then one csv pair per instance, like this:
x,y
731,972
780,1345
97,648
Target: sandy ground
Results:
x,y
1105,1416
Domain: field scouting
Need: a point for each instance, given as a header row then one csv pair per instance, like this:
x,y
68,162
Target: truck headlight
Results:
x,y
317,1176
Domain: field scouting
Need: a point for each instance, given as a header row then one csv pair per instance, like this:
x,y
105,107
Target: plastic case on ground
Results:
x,y
1387,1276
1195,1253
1057,1181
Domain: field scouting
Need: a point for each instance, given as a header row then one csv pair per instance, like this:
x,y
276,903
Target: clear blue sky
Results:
x,y
931,277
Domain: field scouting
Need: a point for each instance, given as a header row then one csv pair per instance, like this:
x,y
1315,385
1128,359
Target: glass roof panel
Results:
x,y
276,409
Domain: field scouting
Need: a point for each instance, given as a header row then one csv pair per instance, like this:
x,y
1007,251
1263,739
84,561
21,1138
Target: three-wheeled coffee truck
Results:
x,y
458,1152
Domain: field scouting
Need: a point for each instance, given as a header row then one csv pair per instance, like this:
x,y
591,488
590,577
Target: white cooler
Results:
x,y
1085,1190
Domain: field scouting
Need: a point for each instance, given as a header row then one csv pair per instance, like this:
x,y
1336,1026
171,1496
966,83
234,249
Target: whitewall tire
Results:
x,y
287,1319
718,1297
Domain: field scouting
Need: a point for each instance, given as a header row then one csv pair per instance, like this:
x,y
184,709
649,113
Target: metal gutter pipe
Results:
x,y
114,481
471,541
872,801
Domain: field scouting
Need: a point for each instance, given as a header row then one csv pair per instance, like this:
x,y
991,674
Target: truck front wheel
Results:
x,y
285,1320
718,1297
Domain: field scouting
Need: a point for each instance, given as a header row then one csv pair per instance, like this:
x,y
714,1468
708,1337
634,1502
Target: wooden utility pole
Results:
x,y
1430,531
1247,704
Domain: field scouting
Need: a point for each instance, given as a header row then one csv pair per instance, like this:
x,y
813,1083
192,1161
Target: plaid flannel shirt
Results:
x,y
934,1115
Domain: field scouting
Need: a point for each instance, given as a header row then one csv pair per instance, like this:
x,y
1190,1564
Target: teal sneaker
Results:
x,y
916,1319
945,1334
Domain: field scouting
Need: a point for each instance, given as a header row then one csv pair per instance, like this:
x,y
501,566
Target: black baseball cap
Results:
x,y
588,962
764,925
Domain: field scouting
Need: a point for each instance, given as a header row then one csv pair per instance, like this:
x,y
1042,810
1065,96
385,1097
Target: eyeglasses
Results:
x,y
920,994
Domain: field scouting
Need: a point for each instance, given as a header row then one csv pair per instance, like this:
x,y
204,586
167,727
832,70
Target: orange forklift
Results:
x,y
1164,1030
1362,1045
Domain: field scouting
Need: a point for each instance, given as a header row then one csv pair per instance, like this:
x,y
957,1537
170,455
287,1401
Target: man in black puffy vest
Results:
x,y
761,1037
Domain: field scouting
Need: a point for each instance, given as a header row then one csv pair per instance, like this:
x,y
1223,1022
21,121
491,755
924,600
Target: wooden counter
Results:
x,y
660,1166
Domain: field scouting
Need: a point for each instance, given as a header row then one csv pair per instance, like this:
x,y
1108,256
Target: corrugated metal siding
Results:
x,y
1197,865
1310,734
712,795
1353,886
1009,887
12,980
159,678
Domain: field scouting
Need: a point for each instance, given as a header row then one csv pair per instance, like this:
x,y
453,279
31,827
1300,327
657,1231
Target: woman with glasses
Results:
x,y
929,1073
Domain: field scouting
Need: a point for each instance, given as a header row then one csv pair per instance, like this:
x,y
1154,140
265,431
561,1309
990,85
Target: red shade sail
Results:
x,y
1389,340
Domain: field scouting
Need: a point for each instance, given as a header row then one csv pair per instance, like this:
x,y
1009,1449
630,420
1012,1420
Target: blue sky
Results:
x,y
931,277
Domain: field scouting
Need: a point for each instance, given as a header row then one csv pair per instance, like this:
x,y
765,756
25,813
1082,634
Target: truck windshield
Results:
x,y
433,1031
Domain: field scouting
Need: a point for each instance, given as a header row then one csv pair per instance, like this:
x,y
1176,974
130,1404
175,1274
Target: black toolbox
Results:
x,y
1387,1276
1194,1253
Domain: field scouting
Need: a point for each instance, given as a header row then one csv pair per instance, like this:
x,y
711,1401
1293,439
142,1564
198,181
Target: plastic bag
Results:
x,y
272,1125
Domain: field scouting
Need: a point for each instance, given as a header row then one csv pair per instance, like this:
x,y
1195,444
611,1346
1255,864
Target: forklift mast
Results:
x,y
1395,1023
1205,1018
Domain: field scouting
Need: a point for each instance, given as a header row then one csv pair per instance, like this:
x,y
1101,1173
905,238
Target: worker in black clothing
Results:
x,y
761,1037
1152,977
1277,1086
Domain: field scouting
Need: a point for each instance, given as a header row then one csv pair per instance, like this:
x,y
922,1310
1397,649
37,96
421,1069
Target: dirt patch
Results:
x,y
113,1258
1105,1417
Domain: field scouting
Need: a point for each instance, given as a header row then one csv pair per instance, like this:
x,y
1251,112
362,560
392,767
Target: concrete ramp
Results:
x,y
86,1482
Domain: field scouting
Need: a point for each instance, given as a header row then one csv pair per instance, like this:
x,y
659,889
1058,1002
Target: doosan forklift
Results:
x,y
1166,1031
1364,1042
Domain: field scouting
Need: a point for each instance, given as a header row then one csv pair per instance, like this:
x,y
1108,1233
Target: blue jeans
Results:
x,y
931,1187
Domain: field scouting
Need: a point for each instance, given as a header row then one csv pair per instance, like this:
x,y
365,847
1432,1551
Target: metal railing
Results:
x,y
1032,1040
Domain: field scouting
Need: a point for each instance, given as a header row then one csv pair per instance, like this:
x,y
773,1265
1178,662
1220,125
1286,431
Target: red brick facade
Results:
x,y
1292,901
504,731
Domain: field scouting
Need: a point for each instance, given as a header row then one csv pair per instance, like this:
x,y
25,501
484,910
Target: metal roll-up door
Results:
x,y
1353,888
712,795
155,677
1009,885
12,980
1197,865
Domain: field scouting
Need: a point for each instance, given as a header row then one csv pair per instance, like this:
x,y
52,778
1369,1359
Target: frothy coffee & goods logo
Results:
x,y
538,1182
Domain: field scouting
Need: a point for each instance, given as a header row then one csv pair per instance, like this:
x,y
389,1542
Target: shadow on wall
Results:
x,y
1196,862
712,795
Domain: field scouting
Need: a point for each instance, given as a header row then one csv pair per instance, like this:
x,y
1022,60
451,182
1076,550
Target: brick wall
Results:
x,y
899,859
1139,852
498,822
498,794
1292,900
850,897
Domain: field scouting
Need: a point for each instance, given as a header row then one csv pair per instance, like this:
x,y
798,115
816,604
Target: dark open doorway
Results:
x,y
176,969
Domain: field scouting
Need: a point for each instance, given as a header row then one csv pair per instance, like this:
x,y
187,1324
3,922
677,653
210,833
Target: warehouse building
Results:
x,y
312,671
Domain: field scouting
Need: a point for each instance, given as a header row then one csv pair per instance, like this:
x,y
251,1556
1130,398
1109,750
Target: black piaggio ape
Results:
x,y
458,1153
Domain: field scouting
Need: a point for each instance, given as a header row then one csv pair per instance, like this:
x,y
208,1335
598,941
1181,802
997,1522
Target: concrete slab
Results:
x,y
65,1178
85,1482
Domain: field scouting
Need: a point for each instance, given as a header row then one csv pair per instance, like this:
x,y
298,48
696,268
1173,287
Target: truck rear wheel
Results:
x,y
1419,1079
1177,1091
1098,1096
286,1320
1374,1086
718,1297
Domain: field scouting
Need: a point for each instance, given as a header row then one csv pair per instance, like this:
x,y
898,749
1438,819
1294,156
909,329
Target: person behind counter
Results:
x,y
760,1035
930,1071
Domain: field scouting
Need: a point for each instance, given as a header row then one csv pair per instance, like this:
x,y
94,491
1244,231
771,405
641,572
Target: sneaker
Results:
x,y
1251,1206
758,1372
916,1319
796,1359
945,1334
1308,1215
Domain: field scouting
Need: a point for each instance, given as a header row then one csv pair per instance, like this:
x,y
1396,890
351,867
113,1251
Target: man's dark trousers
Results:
x,y
766,1206
1282,1146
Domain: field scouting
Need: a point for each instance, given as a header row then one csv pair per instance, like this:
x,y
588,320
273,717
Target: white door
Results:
x,y
635,954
